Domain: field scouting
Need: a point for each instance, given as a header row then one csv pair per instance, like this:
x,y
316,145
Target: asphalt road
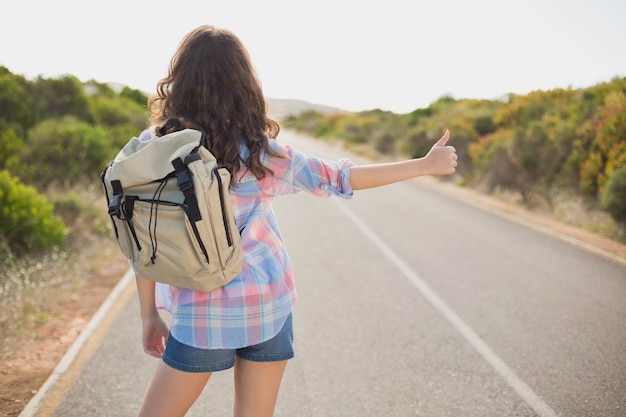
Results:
x,y
411,303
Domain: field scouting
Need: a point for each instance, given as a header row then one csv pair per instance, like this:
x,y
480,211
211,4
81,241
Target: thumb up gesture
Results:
x,y
442,158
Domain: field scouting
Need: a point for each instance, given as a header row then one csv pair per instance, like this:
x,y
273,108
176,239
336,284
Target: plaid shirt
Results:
x,y
253,307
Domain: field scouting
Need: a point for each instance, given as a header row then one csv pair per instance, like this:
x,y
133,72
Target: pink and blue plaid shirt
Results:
x,y
253,307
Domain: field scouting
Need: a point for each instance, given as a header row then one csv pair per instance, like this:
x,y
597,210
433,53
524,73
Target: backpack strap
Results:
x,y
116,199
106,193
122,209
191,201
186,186
171,125
128,206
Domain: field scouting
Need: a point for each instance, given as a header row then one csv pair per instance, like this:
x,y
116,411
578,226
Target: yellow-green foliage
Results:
x,y
485,152
331,126
541,142
605,133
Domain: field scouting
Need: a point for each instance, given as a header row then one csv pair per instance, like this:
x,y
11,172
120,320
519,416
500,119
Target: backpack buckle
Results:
x,y
116,200
114,206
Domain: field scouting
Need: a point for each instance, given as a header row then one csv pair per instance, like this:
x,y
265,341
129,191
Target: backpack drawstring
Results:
x,y
154,209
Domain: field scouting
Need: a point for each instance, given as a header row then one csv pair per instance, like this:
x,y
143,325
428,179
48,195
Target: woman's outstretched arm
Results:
x,y
440,160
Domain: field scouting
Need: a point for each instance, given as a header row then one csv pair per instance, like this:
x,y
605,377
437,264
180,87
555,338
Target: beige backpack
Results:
x,y
169,203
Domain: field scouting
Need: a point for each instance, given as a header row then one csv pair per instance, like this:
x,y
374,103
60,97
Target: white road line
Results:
x,y
509,376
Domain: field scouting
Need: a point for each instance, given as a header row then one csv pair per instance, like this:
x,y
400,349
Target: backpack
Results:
x,y
169,203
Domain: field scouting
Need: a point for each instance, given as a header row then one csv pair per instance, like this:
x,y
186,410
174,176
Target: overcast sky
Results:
x,y
395,55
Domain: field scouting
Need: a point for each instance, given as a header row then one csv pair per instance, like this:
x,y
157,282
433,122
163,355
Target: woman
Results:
x,y
212,86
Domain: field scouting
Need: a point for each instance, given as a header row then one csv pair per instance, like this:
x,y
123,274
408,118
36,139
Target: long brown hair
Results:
x,y
212,86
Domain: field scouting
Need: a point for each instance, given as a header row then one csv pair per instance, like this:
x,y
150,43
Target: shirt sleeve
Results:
x,y
297,171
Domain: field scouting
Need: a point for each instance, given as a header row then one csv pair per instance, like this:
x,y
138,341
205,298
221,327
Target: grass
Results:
x,y
579,212
570,209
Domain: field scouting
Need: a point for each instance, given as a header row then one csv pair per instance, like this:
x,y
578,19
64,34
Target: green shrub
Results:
x,y
27,219
307,121
613,197
115,111
59,97
416,142
64,152
15,103
134,95
11,145
483,124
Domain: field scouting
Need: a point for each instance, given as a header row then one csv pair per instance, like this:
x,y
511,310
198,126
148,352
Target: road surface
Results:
x,y
411,303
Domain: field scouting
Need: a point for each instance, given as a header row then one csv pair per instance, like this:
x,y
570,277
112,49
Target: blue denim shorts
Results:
x,y
190,359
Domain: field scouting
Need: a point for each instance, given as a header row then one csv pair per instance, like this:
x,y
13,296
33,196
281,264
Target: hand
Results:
x,y
155,333
442,159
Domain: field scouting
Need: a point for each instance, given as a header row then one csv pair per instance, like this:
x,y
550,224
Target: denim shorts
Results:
x,y
190,359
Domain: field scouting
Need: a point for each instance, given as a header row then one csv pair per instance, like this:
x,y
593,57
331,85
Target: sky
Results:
x,y
395,55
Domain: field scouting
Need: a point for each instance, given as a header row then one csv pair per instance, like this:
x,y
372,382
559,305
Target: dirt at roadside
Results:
x,y
39,349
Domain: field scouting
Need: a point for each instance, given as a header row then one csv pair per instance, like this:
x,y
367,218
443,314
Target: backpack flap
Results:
x,y
146,161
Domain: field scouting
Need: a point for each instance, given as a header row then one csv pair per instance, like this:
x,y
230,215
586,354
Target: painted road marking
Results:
x,y
509,376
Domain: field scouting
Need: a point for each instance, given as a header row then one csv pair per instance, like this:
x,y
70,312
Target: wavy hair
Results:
x,y
212,86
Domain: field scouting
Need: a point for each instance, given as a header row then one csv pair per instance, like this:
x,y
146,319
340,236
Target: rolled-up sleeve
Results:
x,y
340,186
298,171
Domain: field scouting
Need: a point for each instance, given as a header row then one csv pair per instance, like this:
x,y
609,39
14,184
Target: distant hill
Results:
x,y
280,108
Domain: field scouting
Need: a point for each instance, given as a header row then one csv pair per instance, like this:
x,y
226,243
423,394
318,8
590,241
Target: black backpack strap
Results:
x,y
106,193
185,184
127,209
122,208
171,125
116,199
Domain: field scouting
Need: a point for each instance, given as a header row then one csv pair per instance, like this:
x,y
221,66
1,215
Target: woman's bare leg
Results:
x,y
256,387
172,392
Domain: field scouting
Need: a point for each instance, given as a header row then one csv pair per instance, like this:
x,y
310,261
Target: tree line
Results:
x,y
540,145
56,135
